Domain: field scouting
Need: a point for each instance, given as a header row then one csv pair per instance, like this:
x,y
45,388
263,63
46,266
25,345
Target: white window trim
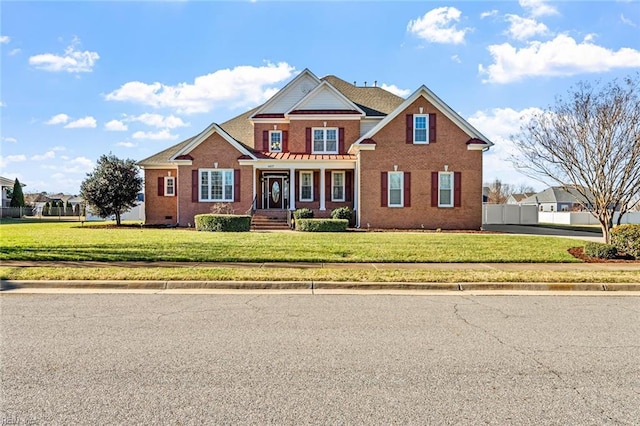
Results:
x,y
216,200
324,142
271,132
166,186
440,204
344,186
426,141
302,172
401,174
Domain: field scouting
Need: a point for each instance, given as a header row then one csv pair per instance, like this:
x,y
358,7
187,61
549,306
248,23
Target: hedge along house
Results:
x,y
322,144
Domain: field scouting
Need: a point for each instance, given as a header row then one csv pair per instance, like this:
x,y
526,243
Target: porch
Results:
x,y
317,188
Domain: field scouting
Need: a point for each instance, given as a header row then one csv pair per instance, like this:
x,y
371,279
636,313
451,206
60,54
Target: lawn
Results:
x,y
72,241
313,274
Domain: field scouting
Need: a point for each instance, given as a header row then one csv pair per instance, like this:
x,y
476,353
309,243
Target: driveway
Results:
x,y
541,230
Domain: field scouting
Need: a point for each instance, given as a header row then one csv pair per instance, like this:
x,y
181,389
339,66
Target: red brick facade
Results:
x,y
449,149
366,170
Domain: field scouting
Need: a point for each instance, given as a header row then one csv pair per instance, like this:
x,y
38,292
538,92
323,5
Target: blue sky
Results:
x,y
82,79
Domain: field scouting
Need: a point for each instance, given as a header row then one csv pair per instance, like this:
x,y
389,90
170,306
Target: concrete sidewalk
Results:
x,y
613,266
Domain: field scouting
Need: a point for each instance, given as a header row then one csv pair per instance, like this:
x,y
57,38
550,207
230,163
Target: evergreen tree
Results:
x,y
17,197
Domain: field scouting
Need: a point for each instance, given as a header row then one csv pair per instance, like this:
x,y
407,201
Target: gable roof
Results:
x,y
213,128
374,101
287,90
477,138
556,194
332,98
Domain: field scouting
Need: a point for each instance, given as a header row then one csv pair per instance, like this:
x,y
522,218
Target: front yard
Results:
x,y
71,241
55,241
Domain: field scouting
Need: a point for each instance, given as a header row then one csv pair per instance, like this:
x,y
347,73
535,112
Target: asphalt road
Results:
x,y
292,359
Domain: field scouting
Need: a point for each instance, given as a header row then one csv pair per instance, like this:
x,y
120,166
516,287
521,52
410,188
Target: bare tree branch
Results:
x,y
589,142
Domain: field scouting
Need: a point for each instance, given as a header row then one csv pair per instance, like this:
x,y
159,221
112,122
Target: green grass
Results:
x,y
72,241
315,274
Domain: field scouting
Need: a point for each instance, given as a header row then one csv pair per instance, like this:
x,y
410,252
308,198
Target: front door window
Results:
x,y
275,192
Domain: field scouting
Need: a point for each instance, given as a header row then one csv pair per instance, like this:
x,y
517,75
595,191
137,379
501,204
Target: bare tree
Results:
x,y
589,141
498,192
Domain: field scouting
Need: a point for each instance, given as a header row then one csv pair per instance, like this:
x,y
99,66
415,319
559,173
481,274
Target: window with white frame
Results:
x,y
445,189
396,184
325,140
275,141
337,186
306,186
169,186
420,128
216,185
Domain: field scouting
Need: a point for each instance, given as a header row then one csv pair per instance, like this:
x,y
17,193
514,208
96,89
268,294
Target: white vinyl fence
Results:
x,y
583,218
509,214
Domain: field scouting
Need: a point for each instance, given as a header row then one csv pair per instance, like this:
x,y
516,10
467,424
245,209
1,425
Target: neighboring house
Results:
x,y
4,185
518,198
557,199
322,144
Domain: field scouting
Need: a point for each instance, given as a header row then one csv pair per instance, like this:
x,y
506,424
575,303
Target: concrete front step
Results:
x,y
267,220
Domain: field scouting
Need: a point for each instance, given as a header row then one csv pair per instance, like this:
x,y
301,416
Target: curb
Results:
x,y
6,285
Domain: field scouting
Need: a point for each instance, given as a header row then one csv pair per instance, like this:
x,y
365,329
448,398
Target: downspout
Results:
x,y
356,186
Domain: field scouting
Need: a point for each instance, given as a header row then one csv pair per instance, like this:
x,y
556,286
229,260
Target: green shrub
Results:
x,y
343,213
600,250
303,214
626,238
322,225
223,222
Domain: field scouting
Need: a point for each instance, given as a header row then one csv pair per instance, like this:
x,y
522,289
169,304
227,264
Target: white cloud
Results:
x,y
9,140
395,90
5,39
116,126
163,134
524,28
500,125
238,87
74,165
627,21
126,144
85,122
538,7
562,56
46,156
2,104
58,119
456,59
489,13
58,148
4,161
71,61
157,120
439,26
14,52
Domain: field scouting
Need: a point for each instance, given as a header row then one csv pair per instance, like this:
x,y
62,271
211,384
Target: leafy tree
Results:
x,y
590,142
112,187
17,197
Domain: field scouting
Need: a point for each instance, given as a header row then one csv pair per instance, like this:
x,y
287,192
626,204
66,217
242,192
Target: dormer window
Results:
x,y
275,141
325,140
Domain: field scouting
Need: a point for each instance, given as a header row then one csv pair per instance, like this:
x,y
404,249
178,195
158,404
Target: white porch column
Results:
x,y
292,188
253,185
322,189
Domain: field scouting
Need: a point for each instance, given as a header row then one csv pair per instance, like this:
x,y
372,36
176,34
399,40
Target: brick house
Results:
x,y
325,143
